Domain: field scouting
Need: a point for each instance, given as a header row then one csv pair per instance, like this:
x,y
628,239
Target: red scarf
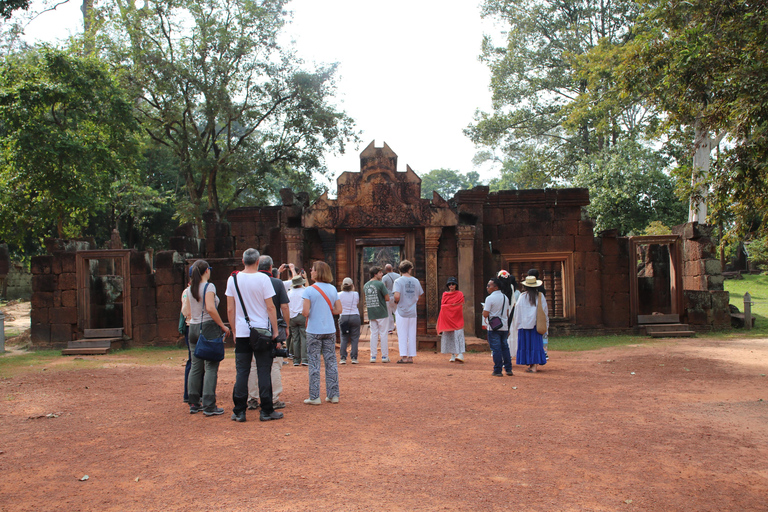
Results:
x,y
451,316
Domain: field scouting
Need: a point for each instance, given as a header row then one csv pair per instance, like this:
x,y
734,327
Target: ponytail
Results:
x,y
197,270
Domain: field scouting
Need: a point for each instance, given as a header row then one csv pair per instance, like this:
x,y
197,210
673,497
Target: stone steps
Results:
x,y
673,334
95,342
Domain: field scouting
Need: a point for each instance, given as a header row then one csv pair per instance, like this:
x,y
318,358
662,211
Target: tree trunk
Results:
x,y
697,210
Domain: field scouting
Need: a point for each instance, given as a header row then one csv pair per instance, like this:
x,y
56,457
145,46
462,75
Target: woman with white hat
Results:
x,y
349,321
530,344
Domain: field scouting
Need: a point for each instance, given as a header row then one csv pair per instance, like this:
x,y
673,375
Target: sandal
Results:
x,y
402,361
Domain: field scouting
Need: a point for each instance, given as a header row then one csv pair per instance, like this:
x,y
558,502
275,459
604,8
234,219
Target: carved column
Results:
x,y
431,243
465,236
293,246
328,241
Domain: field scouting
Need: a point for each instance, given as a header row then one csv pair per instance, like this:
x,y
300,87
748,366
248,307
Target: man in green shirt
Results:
x,y
376,298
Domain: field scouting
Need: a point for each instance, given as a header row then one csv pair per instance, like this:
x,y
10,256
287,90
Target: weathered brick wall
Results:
x,y
614,279
705,303
54,300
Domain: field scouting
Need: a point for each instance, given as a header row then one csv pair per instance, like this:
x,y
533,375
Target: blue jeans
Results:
x,y
498,342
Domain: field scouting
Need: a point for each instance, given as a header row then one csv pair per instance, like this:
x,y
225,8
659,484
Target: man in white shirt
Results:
x,y
390,276
407,291
255,294
497,306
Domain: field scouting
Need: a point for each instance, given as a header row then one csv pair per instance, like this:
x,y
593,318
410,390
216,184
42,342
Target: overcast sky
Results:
x,y
409,71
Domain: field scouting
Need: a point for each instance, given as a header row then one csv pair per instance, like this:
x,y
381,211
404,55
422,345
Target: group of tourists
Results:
x,y
266,315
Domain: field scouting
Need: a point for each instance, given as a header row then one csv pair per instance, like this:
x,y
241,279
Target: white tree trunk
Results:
x,y
703,144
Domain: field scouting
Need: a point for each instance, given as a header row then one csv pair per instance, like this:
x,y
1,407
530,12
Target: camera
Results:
x,y
279,352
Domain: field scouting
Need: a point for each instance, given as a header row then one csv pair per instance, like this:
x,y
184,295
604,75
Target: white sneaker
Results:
x,y
343,361
373,359
384,359
354,361
460,358
309,401
332,399
453,358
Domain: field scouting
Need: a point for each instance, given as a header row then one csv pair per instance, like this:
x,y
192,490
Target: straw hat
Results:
x,y
532,282
297,281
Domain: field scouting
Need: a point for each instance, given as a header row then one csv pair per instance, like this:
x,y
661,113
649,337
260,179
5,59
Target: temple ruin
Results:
x,y
595,283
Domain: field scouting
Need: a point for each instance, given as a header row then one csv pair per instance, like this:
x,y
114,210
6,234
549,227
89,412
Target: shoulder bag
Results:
x,y
260,339
495,322
209,350
541,318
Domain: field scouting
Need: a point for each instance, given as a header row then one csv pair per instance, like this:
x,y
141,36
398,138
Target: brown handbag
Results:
x,y
541,318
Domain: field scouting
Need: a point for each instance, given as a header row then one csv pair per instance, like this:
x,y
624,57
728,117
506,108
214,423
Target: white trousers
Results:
x,y
391,308
406,335
277,380
379,332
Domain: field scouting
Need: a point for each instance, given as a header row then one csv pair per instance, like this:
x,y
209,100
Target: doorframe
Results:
x,y
123,256
675,272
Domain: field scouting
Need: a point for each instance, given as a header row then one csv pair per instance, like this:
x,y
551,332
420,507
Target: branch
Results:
x,y
44,11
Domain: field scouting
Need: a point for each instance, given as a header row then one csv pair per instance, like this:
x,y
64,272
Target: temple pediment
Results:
x,y
378,196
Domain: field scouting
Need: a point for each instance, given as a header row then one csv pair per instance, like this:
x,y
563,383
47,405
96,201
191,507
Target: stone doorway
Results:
x,y
104,290
374,252
655,276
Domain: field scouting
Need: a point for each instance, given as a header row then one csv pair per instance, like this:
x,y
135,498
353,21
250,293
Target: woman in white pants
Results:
x,y
407,292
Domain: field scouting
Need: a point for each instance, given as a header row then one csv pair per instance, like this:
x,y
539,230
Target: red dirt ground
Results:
x,y
680,425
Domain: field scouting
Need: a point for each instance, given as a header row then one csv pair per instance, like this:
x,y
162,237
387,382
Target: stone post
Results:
x,y
748,311
293,247
466,245
431,243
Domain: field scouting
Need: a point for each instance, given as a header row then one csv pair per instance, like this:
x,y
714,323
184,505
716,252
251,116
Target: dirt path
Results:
x,y
674,426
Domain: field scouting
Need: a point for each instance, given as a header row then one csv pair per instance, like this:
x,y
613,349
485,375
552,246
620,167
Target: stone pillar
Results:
x,y
293,247
465,236
431,243
328,241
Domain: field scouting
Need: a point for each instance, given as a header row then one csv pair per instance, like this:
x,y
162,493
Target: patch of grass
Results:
x,y
14,364
579,343
757,286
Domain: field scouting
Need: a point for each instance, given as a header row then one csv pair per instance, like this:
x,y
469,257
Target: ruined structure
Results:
x,y
594,283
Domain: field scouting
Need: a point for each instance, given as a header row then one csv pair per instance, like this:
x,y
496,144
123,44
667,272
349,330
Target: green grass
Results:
x,y
578,343
14,364
757,286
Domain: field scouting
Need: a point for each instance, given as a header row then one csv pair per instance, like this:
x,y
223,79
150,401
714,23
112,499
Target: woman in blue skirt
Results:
x,y
530,344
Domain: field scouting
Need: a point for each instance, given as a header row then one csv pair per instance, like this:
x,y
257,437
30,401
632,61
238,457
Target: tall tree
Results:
x,y
447,182
703,63
213,85
8,6
535,81
67,133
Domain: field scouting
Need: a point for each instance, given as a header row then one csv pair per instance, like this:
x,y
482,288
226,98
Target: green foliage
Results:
x,y
67,134
8,6
758,252
447,182
535,81
213,86
527,174
629,189
703,64
656,228
582,343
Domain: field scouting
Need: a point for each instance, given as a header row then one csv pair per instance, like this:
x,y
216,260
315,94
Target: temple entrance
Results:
x,y
655,287
375,252
103,290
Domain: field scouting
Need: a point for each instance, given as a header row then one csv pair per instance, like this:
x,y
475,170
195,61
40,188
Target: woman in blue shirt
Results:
x,y
321,302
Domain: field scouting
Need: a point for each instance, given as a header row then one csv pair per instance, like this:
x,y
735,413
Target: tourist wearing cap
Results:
x,y
297,323
450,321
496,308
349,321
530,345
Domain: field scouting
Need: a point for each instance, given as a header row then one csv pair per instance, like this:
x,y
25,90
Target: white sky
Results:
x,y
409,73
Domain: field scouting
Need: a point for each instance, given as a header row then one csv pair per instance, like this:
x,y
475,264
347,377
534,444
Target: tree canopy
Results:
x,y
67,133
447,182
212,85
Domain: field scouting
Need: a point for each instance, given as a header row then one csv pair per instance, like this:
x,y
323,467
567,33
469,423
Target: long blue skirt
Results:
x,y
530,347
